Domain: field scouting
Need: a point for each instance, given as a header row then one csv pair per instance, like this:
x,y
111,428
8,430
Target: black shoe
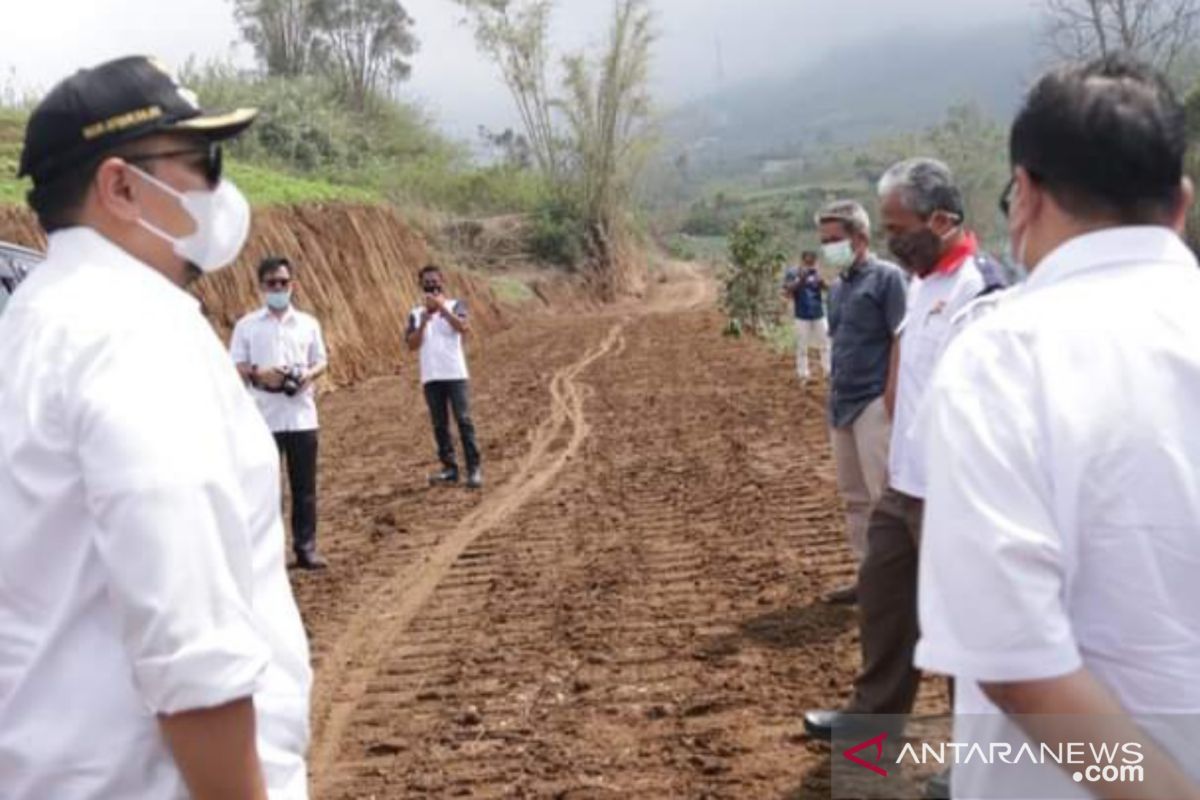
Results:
x,y
447,477
938,787
475,479
846,596
310,561
825,725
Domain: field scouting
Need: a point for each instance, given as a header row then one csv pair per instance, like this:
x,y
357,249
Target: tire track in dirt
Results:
x,y
644,622
646,629
356,656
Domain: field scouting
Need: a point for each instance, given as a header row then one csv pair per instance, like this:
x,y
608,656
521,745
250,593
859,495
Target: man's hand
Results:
x,y
434,303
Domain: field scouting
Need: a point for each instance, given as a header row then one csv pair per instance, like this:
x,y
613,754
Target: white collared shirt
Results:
x,y
141,546
291,341
933,301
1062,518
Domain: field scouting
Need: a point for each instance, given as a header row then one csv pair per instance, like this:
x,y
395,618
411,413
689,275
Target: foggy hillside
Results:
x,y
898,83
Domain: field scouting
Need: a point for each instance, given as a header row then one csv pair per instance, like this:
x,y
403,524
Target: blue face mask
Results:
x,y
279,301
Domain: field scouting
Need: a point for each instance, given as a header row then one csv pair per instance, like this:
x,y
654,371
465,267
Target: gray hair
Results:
x,y
925,185
848,212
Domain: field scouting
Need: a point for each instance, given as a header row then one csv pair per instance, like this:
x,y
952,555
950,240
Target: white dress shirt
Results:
x,y
292,340
933,302
1062,518
141,547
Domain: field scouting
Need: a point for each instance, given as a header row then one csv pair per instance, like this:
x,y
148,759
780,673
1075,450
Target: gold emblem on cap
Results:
x,y
122,121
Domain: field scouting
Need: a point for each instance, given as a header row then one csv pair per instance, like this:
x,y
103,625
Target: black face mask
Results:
x,y
919,251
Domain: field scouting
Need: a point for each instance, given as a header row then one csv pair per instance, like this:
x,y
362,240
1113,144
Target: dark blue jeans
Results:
x,y
444,397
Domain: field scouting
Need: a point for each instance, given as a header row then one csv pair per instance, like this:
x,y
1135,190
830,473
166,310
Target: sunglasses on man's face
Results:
x,y
432,288
277,283
207,160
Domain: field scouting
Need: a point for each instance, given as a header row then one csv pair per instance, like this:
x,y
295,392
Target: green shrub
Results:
x,y
750,284
558,235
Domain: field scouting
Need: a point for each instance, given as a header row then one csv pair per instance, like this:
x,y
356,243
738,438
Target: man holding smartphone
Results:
x,y
436,329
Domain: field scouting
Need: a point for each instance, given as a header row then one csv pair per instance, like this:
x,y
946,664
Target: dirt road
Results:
x,y
628,610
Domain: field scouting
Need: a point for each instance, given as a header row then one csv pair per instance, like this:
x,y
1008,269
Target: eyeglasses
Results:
x,y
277,283
1006,196
210,162
432,288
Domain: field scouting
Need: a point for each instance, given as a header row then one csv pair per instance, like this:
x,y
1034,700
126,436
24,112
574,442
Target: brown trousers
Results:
x,y
887,601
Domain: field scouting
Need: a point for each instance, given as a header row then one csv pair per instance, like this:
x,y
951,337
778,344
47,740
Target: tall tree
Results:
x,y
514,35
281,33
608,109
1158,31
364,45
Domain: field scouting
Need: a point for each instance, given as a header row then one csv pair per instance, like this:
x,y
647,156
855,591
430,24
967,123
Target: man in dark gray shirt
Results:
x,y
866,306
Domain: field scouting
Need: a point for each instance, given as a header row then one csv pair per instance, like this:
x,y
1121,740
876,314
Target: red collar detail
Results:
x,y
956,256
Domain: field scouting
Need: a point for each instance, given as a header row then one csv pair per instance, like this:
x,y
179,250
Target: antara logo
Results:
x,y
877,743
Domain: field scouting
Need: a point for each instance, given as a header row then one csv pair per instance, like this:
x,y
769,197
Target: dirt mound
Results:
x,y
357,270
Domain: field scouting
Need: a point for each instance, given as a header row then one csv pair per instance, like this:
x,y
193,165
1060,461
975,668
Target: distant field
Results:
x,y
799,190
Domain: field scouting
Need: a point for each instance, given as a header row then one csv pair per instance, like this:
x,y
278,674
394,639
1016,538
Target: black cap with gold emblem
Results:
x,y
94,110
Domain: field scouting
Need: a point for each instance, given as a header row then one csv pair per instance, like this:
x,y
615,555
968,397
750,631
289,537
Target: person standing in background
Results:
x,y
436,329
805,287
280,353
866,307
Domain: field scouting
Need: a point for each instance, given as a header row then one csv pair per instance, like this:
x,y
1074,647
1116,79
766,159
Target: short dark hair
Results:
x,y
427,269
58,203
272,263
1106,139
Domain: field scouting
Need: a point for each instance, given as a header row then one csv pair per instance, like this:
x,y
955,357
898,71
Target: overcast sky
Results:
x,y
701,41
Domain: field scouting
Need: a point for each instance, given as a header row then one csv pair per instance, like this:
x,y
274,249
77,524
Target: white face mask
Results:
x,y
222,218
838,255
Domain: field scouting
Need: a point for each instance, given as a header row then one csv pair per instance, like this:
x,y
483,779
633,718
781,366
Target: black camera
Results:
x,y
292,381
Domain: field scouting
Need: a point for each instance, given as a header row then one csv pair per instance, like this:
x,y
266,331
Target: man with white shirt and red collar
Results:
x,y
924,217
1061,548
280,353
150,646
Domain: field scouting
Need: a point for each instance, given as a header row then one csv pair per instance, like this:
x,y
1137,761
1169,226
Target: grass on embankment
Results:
x,y
264,186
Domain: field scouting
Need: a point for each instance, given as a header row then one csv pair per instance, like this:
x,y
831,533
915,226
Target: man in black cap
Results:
x,y
141,566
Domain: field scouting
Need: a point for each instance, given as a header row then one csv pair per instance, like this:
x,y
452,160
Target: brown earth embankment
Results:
x,y
356,271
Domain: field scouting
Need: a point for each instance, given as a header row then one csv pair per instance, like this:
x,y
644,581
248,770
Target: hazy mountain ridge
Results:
x,y
900,83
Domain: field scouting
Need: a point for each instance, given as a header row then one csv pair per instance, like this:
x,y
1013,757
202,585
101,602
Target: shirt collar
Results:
x,y
287,315
852,271
1132,244
82,245
956,256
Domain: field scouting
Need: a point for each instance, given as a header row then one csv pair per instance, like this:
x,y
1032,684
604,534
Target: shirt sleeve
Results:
x,y
895,299
834,307
171,522
991,565
239,344
460,309
414,322
317,353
